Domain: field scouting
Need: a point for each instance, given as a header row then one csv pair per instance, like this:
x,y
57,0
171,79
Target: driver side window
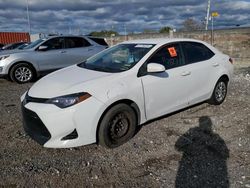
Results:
x,y
55,43
168,56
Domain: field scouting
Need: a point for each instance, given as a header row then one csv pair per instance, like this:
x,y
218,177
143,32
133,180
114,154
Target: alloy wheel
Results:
x,y
220,91
23,74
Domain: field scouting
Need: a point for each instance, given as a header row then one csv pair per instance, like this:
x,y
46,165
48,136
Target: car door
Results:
x,y
78,49
53,57
200,62
166,92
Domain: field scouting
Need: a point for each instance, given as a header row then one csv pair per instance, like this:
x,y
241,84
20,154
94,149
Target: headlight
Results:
x,y
4,57
68,100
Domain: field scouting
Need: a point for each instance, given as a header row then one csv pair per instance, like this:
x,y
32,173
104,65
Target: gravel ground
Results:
x,y
203,146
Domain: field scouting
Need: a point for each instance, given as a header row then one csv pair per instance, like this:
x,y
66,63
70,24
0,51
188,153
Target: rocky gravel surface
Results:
x,y
203,146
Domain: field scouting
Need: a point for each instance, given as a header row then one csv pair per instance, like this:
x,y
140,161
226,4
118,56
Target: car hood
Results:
x,y
7,52
59,83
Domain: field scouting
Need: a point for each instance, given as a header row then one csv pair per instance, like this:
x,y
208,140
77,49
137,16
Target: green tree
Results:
x,y
165,29
148,31
103,33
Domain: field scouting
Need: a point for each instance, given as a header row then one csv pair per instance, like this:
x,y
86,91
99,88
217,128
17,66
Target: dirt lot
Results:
x,y
203,145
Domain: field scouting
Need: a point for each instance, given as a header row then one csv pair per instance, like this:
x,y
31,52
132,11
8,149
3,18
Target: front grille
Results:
x,y
34,127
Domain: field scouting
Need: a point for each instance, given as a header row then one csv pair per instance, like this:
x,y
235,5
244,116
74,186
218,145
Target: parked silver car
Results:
x,y
46,55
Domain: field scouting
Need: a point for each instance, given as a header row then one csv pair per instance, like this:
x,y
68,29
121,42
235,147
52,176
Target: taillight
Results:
x,y
231,60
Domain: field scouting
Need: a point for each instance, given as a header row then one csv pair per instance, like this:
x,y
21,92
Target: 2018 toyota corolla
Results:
x,y
104,98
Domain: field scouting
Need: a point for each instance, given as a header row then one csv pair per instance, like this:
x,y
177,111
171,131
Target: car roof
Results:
x,y
161,41
55,36
83,36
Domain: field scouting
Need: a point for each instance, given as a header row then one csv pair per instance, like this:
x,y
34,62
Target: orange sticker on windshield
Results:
x,y
172,52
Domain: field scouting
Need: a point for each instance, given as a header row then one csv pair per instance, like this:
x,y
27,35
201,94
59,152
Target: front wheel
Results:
x,y
117,126
219,93
21,73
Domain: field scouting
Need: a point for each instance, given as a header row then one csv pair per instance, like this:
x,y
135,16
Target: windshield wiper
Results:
x,y
102,69
97,68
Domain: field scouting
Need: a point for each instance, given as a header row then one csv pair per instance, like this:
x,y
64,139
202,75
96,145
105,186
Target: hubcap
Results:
x,y
220,91
119,126
23,74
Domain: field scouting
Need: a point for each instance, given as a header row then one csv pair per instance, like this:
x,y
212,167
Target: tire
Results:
x,y
219,93
22,73
117,126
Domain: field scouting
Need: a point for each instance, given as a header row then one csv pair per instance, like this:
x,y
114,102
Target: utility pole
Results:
x,y
125,32
214,14
212,30
28,16
208,13
70,31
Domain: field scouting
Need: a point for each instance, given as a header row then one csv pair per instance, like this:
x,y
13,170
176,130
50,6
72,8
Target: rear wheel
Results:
x,y
21,73
117,126
219,93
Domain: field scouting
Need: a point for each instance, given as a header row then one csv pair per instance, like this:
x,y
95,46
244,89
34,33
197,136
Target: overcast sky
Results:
x,y
74,16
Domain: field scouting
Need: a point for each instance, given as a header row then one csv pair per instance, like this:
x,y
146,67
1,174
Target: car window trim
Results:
x,y
63,47
184,53
143,72
82,38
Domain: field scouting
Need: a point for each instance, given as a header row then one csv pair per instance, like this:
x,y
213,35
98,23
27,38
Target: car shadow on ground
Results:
x,y
204,157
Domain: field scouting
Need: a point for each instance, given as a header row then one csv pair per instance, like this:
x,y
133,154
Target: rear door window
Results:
x,y
195,52
100,41
169,56
76,42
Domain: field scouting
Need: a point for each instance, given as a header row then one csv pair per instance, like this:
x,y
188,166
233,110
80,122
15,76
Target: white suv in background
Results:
x,y
46,55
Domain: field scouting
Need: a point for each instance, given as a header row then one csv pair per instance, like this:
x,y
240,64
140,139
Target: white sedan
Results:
x,y
103,99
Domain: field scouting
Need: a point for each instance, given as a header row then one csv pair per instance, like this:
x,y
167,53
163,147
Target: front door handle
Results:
x,y
185,73
215,64
63,51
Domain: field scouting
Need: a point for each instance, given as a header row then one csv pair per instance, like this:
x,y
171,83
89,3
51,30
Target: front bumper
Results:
x,y
3,75
34,127
54,127
2,72
4,67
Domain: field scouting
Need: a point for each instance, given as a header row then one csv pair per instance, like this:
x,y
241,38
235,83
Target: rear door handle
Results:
x,y
91,49
63,51
185,73
215,64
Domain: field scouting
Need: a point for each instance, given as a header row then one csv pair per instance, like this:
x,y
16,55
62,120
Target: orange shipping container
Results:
x,y
12,37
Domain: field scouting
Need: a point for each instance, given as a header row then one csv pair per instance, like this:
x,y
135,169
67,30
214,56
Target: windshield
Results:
x,y
33,44
23,46
118,58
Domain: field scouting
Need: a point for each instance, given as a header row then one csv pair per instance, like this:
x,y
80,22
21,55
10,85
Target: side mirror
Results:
x,y
155,68
42,48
